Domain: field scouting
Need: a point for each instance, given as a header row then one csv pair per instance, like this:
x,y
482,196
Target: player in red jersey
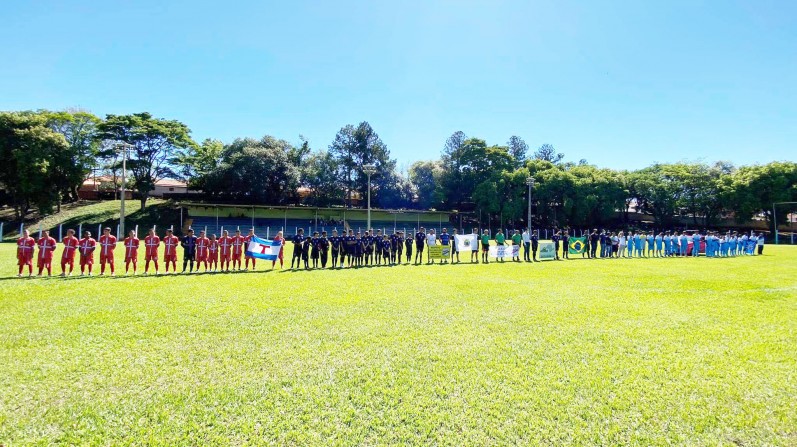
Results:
x,y
237,249
25,247
68,256
213,253
281,240
131,243
86,248
107,244
151,243
44,260
225,250
170,244
202,251
246,244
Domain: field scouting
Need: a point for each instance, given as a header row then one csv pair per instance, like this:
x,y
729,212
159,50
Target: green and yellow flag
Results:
x,y
577,245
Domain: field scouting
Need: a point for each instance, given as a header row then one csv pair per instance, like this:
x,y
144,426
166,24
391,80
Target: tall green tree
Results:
x,y
518,149
156,142
425,177
320,173
199,162
355,147
73,165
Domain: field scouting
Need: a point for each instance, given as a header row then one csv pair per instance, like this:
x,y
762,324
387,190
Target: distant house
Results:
x,y
100,188
171,186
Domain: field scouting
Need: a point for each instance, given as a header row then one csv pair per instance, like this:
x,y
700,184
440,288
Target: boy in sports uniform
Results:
x,y
131,244
420,240
298,242
408,248
71,244
170,243
151,243
25,247
107,244
485,240
46,246
87,246
213,253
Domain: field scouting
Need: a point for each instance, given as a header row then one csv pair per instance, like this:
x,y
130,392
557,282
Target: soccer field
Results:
x,y
583,352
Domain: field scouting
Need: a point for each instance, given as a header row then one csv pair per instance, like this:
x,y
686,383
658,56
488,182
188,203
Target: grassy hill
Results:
x,y
580,352
91,214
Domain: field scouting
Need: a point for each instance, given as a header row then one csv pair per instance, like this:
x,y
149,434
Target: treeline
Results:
x,y
47,155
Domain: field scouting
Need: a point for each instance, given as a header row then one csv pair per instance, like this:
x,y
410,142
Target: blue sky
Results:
x,y
620,83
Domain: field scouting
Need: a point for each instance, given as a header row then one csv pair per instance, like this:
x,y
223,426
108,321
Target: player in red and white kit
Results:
x,y
202,250
44,259
246,244
25,247
170,244
107,244
151,243
86,247
131,243
225,250
68,256
281,239
237,249
213,253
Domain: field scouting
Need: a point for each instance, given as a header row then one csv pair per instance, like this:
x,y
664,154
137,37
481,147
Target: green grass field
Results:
x,y
604,352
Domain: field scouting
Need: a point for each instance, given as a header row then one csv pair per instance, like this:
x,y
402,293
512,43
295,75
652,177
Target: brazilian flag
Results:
x,y
577,245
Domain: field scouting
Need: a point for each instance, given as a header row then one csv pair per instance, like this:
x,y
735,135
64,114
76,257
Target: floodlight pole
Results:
x,y
369,169
123,147
530,183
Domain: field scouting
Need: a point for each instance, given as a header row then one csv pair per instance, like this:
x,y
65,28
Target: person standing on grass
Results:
x,y
225,249
386,249
68,256
408,248
247,258
131,244
281,239
420,240
314,249
323,249
202,251
594,237
650,244
566,245
535,244
46,246
658,240
189,250
151,244
621,244
696,244
306,252
556,238
500,240
445,240
516,240
334,245
87,246
431,241
639,242
107,245
368,242
474,250
213,253
760,243
684,243
395,242
526,236
25,248
485,240
298,240
454,248
237,249
615,245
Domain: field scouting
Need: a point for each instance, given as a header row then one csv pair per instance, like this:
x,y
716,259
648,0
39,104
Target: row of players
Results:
x,y
371,248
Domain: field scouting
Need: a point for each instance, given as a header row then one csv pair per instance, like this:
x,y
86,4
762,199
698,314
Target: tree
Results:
x,y
320,174
199,162
547,152
73,164
452,180
355,147
518,150
425,177
156,142
28,149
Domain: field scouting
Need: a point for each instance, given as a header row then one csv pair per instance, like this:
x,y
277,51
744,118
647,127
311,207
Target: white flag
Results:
x,y
504,251
466,242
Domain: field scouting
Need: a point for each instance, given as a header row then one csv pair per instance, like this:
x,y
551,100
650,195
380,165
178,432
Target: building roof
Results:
x,y
171,183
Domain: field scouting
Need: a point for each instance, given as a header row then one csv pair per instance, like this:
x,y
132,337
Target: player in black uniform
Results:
x,y
306,252
556,238
535,243
298,240
420,241
314,253
395,242
377,247
323,249
334,244
386,249
349,243
565,245
368,242
408,248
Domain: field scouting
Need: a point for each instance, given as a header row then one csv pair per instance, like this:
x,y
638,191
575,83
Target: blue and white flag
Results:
x,y
263,248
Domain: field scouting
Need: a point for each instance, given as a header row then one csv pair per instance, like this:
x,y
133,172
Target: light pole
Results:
x,y
369,170
530,183
123,147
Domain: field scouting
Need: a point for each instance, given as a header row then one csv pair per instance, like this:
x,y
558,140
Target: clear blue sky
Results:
x,y
620,83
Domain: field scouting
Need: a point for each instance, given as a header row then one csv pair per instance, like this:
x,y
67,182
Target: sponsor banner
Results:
x,y
439,252
504,251
547,251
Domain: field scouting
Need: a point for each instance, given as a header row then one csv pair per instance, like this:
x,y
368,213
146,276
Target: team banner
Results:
x,y
547,251
466,242
577,245
263,248
439,251
504,251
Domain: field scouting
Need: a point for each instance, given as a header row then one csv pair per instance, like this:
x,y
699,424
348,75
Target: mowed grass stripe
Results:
x,y
648,352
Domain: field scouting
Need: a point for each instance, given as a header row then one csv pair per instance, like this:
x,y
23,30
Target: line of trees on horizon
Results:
x,y
47,155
